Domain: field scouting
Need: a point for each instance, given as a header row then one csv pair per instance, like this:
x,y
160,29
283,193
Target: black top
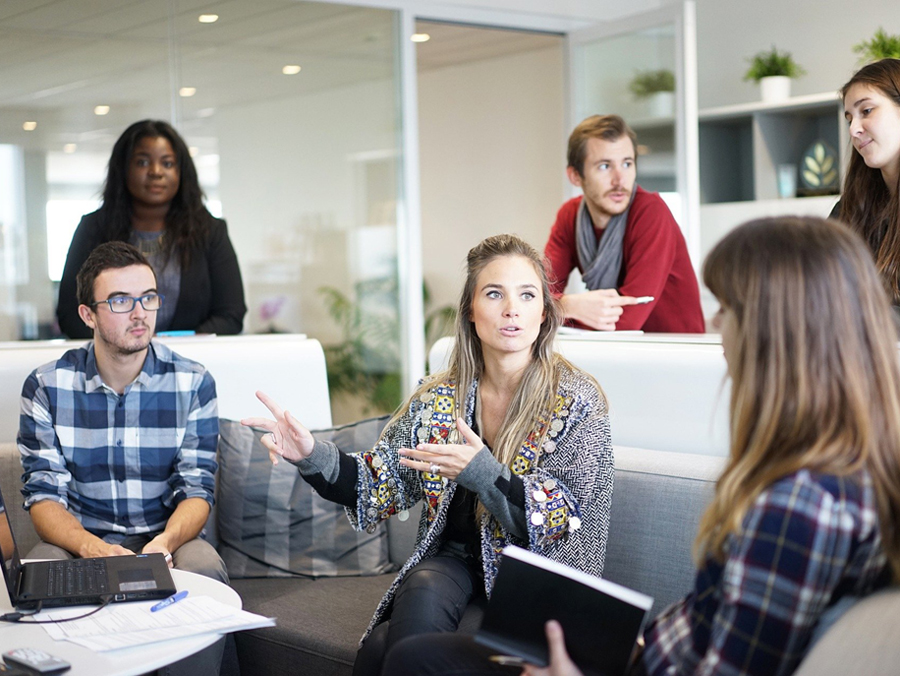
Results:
x,y
212,292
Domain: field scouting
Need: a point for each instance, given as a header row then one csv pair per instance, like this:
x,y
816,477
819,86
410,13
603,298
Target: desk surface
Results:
x,y
129,661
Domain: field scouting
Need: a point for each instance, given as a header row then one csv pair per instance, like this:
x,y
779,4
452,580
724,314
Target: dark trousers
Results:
x,y
444,655
433,597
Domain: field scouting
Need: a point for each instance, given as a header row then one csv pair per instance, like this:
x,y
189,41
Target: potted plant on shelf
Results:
x,y
880,46
773,70
658,88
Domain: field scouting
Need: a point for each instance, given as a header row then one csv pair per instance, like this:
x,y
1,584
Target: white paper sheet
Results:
x,y
123,625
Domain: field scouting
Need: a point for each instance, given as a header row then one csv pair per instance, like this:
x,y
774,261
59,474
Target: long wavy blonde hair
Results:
x,y
536,393
814,368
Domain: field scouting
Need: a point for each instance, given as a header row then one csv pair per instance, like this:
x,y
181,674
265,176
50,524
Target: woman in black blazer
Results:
x,y
152,199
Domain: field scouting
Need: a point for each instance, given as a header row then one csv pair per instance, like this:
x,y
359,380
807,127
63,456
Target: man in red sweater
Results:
x,y
622,239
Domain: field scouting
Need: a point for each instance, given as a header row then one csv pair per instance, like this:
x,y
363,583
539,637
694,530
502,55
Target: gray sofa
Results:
x,y
657,502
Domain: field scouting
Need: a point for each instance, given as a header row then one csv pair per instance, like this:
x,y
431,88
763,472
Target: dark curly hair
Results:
x,y
187,220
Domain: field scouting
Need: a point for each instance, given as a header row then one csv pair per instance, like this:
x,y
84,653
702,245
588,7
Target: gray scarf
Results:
x,y
601,261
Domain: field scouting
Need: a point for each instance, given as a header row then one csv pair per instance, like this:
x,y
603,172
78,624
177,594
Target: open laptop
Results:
x,y
45,584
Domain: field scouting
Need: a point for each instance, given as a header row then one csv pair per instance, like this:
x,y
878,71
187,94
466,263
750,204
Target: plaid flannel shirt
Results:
x,y
808,540
119,463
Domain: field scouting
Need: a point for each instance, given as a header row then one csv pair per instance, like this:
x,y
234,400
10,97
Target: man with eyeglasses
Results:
x,y
118,438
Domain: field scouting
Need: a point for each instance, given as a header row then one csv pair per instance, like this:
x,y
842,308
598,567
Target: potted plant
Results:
x,y
881,46
658,88
773,70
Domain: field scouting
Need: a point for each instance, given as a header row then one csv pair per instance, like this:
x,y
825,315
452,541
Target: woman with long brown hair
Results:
x,y
807,510
509,444
870,202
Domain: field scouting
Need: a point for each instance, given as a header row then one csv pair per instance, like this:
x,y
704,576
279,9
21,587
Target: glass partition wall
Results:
x,y
292,114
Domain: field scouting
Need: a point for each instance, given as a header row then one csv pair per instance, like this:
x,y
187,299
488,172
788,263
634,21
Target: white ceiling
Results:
x,y
60,58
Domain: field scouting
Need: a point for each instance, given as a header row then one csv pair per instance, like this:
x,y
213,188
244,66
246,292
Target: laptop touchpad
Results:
x,y
136,579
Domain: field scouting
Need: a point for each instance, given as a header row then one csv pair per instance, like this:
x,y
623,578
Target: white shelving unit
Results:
x,y
741,146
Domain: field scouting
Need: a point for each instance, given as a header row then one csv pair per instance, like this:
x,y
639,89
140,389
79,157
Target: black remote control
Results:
x,y
35,661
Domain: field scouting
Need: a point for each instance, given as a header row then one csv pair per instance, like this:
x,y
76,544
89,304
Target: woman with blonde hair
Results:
x,y
807,510
509,444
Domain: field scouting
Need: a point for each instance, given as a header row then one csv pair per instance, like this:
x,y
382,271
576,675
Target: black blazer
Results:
x,y
211,299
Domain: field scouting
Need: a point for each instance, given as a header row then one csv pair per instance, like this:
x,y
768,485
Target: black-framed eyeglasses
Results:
x,y
151,302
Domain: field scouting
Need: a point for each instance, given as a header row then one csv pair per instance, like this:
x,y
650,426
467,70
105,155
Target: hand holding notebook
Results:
x,y
600,619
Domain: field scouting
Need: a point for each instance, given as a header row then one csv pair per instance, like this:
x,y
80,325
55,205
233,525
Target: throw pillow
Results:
x,y
273,524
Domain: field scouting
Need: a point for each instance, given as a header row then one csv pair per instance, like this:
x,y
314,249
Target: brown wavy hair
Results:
x,y
604,127
867,204
815,372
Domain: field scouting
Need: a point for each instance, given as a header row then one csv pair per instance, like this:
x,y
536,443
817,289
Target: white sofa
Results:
x,y
289,367
666,392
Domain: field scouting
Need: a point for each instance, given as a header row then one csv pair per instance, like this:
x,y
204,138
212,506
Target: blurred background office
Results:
x,y
357,151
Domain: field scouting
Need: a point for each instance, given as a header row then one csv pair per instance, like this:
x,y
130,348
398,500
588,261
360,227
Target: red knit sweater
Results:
x,y
655,263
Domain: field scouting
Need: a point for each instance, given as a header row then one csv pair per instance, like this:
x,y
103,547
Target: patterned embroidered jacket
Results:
x,y
567,490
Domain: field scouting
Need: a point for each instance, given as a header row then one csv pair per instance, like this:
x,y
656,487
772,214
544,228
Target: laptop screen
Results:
x,y
8,552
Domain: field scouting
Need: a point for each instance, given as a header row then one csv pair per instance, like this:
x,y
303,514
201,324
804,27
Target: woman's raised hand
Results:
x,y
286,437
445,459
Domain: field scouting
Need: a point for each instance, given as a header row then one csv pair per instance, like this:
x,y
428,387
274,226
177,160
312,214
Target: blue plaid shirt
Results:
x,y
119,463
808,540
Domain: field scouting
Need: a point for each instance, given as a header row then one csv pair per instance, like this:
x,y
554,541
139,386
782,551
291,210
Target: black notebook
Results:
x,y
601,620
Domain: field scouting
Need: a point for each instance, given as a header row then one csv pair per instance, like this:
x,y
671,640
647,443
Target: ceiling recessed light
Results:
x,y
290,70
31,125
420,37
101,110
187,91
69,148
208,18
194,151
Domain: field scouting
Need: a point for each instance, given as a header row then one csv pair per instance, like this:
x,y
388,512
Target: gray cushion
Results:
x,y
272,524
657,502
319,626
11,485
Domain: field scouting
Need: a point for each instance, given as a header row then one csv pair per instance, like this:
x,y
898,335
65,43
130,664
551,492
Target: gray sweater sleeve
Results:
x,y
501,492
331,473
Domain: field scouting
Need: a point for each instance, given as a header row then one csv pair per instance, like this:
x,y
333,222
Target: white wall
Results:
x,y
492,148
820,34
293,196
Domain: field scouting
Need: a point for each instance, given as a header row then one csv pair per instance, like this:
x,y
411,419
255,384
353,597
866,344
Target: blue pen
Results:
x,y
174,598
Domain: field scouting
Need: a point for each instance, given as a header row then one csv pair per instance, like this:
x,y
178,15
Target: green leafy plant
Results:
x,y
880,46
648,82
366,362
773,62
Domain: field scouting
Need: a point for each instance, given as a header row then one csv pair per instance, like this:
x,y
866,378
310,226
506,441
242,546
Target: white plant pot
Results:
x,y
775,88
661,104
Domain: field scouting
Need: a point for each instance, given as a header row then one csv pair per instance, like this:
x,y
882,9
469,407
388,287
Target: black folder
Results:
x,y
601,620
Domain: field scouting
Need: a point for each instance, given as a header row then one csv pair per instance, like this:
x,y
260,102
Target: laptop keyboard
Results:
x,y
77,577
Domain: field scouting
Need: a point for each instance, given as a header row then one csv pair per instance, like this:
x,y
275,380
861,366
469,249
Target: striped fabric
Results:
x,y
120,464
273,524
808,541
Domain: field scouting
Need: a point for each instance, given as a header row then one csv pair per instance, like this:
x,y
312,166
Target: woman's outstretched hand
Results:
x,y
448,459
286,437
560,662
